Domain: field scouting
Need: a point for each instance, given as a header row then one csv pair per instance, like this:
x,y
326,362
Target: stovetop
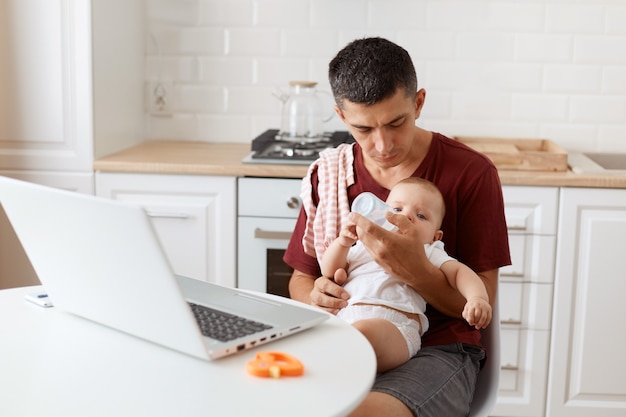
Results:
x,y
268,148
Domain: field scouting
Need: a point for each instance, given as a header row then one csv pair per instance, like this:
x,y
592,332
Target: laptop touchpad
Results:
x,y
245,304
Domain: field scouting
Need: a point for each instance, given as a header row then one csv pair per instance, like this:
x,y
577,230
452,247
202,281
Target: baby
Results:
x,y
388,312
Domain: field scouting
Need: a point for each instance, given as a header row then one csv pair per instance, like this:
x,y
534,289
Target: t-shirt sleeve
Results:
x,y
482,237
295,256
437,254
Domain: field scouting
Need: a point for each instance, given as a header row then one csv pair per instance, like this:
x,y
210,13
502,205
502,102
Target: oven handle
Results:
x,y
271,234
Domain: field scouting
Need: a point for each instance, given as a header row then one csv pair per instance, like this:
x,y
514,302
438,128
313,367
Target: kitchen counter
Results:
x,y
203,158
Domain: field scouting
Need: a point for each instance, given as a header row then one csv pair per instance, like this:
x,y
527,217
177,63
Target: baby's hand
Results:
x,y
477,312
347,236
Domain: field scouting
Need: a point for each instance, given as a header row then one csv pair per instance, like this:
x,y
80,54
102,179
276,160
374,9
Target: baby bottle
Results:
x,y
373,208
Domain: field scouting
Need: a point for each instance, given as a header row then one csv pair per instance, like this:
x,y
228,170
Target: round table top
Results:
x,y
55,363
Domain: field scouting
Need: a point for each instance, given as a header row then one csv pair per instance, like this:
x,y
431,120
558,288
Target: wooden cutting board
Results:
x,y
520,154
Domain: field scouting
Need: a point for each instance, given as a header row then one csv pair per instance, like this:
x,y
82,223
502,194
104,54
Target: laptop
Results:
x,y
101,259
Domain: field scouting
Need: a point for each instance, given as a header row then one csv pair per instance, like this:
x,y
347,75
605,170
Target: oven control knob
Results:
x,y
293,202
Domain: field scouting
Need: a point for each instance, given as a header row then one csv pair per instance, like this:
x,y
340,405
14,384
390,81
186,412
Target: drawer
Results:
x,y
269,197
525,305
511,303
510,345
523,373
531,210
532,258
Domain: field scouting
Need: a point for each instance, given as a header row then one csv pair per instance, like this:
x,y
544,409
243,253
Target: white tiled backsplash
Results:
x,y
552,69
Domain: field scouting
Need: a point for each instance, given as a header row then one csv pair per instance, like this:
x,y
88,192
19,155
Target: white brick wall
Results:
x,y
536,68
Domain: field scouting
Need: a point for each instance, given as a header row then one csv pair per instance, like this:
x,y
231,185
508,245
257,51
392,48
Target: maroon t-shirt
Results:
x,y
474,227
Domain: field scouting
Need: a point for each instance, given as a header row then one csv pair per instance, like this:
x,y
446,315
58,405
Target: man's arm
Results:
x,y
300,286
322,292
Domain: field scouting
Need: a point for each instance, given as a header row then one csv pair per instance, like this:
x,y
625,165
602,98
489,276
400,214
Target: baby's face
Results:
x,y
420,206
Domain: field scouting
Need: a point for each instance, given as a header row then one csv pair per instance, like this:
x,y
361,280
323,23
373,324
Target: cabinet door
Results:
x,y
46,120
193,216
587,366
71,82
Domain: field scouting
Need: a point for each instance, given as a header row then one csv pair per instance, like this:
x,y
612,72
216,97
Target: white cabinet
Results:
x,y
15,268
587,365
45,106
194,217
71,90
525,295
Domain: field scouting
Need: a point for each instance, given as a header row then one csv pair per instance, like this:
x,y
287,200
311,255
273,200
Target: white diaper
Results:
x,y
409,328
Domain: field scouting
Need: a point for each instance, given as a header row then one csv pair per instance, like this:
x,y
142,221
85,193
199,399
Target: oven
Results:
x,y
267,209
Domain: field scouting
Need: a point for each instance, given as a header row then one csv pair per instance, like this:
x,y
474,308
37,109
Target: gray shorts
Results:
x,y
438,381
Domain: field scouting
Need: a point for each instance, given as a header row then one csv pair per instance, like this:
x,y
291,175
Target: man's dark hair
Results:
x,y
370,70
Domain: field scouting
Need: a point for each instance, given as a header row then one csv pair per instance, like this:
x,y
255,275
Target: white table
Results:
x,y
56,364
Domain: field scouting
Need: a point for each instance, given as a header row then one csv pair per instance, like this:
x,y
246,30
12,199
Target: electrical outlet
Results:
x,y
159,97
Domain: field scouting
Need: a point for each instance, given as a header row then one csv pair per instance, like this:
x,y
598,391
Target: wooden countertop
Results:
x,y
203,158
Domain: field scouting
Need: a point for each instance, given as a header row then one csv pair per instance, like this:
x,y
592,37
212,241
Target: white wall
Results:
x,y
535,68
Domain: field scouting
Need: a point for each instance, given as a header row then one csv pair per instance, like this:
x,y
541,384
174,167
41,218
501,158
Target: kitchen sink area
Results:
x,y
605,163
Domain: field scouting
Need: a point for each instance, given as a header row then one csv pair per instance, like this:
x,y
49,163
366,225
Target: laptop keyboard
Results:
x,y
224,326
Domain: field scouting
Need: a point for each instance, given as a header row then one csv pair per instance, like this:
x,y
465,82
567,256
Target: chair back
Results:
x,y
489,377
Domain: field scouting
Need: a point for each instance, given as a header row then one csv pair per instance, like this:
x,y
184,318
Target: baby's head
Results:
x,y
421,201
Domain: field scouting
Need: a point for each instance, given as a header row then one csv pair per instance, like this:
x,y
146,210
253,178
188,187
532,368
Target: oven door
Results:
x,y
267,210
261,246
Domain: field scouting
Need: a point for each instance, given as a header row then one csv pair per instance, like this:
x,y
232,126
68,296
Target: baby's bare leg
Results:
x,y
388,343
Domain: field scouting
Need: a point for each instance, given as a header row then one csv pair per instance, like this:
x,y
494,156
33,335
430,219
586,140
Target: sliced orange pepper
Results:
x,y
275,365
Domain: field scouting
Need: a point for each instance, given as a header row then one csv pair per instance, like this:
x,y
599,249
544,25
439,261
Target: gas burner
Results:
x,y
284,137
296,150
271,148
300,151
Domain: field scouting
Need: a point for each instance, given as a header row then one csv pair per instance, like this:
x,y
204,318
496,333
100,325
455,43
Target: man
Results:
x,y
375,88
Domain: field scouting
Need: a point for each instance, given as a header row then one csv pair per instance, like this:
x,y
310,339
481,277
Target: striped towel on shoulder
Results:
x,y
335,174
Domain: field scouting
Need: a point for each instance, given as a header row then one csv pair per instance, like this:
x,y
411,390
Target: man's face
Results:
x,y
384,130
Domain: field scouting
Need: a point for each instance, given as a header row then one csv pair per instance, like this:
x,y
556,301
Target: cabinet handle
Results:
x,y
512,274
509,368
293,202
511,322
271,234
516,228
166,215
